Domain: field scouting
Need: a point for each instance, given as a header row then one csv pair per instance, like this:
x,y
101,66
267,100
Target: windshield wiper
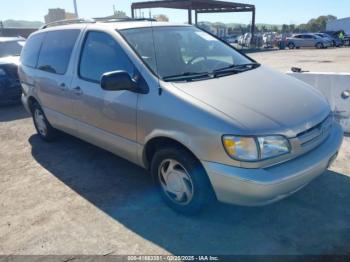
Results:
x,y
187,76
235,68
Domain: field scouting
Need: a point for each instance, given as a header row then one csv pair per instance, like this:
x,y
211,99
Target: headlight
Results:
x,y
2,72
272,146
241,148
255,148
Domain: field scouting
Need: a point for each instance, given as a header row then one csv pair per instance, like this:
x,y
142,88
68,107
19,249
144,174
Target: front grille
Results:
x,y
317,134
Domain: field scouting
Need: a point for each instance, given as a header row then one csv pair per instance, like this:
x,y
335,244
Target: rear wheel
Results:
x,y
291,45
42,126
319,46
181,180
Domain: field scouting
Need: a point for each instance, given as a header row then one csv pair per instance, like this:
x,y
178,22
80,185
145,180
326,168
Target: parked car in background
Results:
x,y
269,39
336,42
337,34
198,117
245,40
307,40
10,88
232,39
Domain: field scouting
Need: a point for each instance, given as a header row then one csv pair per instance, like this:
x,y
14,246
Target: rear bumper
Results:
x,y
255,187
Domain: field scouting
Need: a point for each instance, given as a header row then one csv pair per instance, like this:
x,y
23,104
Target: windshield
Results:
x,y
11,48
182,51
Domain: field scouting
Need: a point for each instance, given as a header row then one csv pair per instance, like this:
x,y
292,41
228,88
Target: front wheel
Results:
x,y
42,126
181,180
319,46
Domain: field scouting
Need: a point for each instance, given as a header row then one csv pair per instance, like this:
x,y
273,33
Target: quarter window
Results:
x,y
56,51
102,54
30,52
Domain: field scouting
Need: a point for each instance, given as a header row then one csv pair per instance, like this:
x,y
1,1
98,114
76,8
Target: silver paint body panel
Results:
x,y
196,114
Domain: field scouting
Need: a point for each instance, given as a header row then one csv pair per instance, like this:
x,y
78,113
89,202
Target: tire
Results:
x,y
319,46
45,131
175,170
291,45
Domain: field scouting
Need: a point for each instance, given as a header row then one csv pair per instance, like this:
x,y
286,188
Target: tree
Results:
x,y
263,28
285,28
275,28
120,14
292,28
161,18
317,24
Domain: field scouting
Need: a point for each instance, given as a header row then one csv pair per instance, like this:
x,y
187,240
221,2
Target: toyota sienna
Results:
x,y
207,121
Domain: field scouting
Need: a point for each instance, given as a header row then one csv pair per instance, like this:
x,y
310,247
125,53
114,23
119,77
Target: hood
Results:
x,y
263,101
9,60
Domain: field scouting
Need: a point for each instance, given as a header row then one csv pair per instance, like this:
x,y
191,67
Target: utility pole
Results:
x,y
76,8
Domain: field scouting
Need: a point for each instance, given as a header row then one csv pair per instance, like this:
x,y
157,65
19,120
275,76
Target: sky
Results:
x,y
268,11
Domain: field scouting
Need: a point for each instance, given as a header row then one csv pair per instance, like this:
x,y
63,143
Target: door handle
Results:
x,y
77,90
345,94
63,86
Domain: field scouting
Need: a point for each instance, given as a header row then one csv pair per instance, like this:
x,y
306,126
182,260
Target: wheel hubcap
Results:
x,y
40,122
175,182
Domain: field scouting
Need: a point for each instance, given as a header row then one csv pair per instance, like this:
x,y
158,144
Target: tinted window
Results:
x,y
30,52
56,51
102,54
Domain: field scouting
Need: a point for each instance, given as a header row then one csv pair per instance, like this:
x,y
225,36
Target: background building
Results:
x,y
339,25
57,14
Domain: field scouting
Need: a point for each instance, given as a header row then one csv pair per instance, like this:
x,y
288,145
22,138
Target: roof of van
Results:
x,y
118,25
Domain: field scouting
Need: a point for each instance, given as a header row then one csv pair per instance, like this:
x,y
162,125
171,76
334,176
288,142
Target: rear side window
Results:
x,y
56,51
30,52
102,54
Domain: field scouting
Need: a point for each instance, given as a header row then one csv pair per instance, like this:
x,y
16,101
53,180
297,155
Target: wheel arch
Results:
x,y
31,101
158,142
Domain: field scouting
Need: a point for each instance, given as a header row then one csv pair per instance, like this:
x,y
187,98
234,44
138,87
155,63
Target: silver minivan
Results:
x,y
208,122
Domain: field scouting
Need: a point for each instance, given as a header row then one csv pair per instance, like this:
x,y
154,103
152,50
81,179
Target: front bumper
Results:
x,y
255,187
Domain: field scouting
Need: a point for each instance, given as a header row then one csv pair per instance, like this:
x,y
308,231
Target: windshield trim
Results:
x,y
119,31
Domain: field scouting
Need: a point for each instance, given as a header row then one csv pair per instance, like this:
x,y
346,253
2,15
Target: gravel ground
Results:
x,y
72,198
316,60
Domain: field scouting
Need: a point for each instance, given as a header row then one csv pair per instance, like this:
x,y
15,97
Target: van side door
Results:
x,y
104,118
53,78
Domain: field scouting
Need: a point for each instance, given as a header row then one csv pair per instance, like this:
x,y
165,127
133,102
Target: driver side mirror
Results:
x,y
118,80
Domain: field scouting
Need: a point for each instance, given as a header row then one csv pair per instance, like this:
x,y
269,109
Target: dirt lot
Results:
x,y
70,197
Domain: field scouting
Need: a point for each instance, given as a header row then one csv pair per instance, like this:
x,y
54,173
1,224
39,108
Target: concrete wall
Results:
x,y
335,87
12,32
